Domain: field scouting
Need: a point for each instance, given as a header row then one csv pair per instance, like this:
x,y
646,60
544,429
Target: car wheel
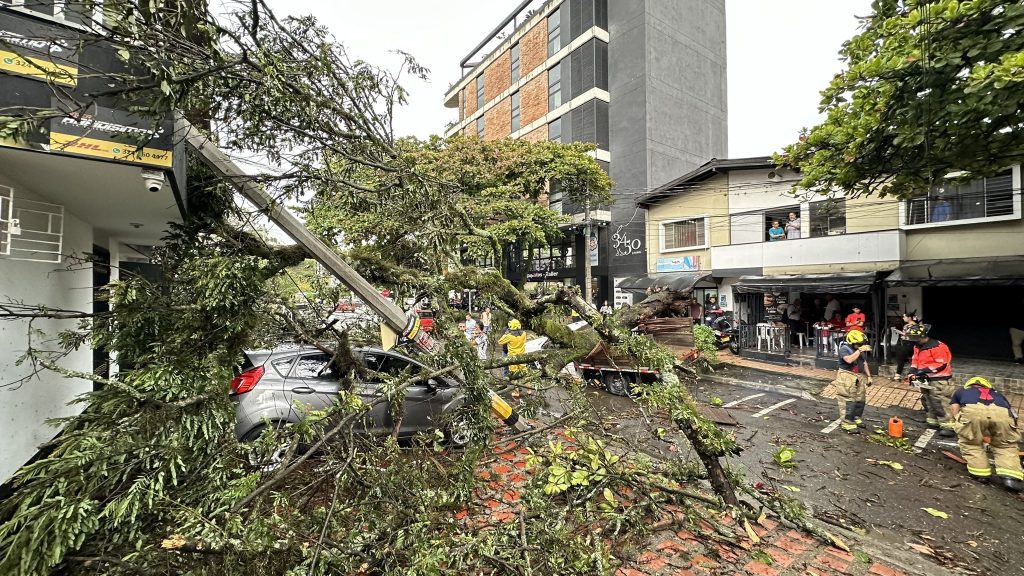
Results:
x,y
616,383
265,462
734,347
459,433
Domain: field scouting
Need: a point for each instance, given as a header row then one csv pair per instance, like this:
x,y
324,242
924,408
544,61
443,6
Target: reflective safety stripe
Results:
x,y
979,471
849,425
1009,473
947,424
411,332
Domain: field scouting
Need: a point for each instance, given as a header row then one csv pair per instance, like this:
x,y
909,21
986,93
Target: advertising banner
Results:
x,y
112,134
39,51
681,264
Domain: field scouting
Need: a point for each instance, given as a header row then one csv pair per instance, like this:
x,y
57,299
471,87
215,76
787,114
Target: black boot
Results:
x,y
980,479
1012,484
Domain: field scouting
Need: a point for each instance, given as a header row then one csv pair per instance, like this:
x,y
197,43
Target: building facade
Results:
x,y
949,251
81,202
644,80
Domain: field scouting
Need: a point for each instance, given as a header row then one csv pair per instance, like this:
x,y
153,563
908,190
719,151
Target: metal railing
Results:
x,y
827,341
767,338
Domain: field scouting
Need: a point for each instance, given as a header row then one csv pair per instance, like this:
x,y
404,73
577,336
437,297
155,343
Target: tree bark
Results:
x,y
661,304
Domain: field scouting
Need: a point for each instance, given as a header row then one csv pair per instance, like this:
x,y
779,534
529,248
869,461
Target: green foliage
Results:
x,y
931,87
785,457
704,341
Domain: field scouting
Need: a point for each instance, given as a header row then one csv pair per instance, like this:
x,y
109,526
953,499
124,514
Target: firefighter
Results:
x,y
931,368
979,412
515,341
852,380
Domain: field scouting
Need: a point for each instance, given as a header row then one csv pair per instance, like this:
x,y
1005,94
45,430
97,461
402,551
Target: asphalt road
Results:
x,y
837,480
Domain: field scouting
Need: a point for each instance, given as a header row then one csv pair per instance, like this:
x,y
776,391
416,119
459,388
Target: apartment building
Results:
x,y
80,203
644,80
953,255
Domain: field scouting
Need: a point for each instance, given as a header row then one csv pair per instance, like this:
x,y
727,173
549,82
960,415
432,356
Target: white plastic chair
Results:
x,y
764,335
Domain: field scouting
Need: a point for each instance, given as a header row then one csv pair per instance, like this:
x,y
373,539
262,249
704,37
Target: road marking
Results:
x,y
923,440
741,400
835,424
773,407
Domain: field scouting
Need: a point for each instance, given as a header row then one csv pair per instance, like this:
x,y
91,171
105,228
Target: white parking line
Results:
x,y
773,407
741,400
923,440
835,424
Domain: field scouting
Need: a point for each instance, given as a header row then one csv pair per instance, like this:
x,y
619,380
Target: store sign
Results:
x,y
595,252
38,51
113,134
774,306
621,297
682,264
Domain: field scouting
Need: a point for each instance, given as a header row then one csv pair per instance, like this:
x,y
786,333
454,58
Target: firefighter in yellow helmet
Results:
x,y
980,411
852,380
515,340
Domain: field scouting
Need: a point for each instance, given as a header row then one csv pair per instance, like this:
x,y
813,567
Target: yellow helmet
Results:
x,y
514,324
854,337
978,381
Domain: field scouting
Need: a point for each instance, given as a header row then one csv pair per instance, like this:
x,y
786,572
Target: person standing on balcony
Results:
x,y
776,232
793,227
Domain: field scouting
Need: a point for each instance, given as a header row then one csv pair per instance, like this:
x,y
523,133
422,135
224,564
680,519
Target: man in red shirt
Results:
x,y
856,320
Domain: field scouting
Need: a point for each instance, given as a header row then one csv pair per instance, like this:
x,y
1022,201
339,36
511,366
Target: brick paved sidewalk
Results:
x,y
672,551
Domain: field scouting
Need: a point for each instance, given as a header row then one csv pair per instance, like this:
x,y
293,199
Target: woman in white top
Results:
x,y
793,227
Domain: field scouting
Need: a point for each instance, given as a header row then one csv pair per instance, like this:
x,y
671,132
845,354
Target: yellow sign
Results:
x,y
107,149
38,68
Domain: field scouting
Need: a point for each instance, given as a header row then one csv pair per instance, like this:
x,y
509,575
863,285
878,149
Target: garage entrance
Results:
x,y
973,320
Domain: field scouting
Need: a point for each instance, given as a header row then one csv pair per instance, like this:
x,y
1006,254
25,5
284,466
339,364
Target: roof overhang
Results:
x,y
851,283
678,281
993,271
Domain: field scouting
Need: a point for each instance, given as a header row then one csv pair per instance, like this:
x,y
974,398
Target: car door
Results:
x,y
367,384
312,382
424,401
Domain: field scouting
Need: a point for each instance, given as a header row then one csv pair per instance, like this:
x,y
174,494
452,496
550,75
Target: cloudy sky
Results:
x,y
781,54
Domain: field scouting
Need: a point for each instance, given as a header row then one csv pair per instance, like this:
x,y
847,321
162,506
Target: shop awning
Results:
x,y
679,281
995,271
848,283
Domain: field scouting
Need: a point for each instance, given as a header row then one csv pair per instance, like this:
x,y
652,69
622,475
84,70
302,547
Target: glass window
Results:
x,y
684,234
828,217
555,196
283,365
555,129
554,32
480,127
314,366
480,92
554,87
981,198
515,63
515,112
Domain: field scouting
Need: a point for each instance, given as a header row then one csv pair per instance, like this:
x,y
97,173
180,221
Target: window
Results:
x,y
555,196
480,127
515,112
554,32
480,92
981,198
314,366
828,218
515,63
588,123
283,365
554,87
555,129
684,234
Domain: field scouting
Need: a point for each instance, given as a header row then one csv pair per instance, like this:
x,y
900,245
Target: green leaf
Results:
x,y
936,513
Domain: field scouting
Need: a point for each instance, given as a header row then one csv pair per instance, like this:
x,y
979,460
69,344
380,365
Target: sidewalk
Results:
x,y
884,393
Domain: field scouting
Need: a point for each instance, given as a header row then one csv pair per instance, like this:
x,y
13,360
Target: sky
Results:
x,y
781,53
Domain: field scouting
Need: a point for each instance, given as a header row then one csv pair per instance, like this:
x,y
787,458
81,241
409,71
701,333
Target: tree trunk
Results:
x,y
662,304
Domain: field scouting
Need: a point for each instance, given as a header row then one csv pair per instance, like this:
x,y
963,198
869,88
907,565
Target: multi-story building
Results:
x,y
953,255
644,80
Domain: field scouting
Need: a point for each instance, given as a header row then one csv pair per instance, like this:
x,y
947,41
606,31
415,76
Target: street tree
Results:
x,y
931,88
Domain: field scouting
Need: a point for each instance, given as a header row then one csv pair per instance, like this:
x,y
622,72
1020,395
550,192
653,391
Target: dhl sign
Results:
x,y
71,144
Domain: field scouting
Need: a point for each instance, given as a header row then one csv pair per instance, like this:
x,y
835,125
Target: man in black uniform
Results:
x,y
852,380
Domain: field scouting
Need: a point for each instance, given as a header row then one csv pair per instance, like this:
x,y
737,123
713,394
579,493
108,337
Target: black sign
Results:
x,y
774,306
39,51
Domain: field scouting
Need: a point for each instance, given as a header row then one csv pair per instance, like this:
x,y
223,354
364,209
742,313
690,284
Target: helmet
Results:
x,y
917,331
855,337
514,324
978,381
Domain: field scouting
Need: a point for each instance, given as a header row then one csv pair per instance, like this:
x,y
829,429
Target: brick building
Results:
x,y
644,80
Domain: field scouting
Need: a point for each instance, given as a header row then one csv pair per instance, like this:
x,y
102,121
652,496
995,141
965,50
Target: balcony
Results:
x,y
883,246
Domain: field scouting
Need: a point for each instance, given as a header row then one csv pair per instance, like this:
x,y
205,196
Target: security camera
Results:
x,y
774,176
153,179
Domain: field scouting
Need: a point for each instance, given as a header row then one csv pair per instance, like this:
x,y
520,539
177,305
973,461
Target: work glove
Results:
x,y
870,381
865,348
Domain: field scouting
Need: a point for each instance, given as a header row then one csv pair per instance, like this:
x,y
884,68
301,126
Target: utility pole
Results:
x,y
588,280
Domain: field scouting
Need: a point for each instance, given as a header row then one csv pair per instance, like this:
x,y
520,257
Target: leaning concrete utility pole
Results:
x,y
588,278
407,325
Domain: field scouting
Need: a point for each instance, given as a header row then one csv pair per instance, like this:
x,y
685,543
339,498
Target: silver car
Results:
x,y
272,382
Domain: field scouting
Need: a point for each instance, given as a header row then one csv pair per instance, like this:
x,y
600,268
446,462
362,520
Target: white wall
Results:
x,y
24,408
868,247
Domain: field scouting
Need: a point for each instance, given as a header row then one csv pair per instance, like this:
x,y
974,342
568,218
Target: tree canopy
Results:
x,y
931,88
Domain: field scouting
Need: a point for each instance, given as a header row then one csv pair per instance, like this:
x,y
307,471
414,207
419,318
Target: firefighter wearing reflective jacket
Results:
x,y
515,340
980,412
931,368
852,380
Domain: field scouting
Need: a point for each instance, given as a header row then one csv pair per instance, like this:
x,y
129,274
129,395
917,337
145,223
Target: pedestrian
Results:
x,y
793,227
485,320
931,369
980,413
606,310
470,327
855,320
1017,333
852,379
794,314
832,306
835,322
515,340
904,348
818,310
776,232
480,339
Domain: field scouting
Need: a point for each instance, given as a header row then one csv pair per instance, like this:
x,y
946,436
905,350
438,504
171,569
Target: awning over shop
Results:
x,y
679,281
849,283
994,271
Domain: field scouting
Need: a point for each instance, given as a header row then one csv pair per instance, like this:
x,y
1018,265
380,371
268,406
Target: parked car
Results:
x,y
273,381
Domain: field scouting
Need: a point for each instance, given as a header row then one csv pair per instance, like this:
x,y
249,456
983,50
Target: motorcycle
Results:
x,y
727,333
